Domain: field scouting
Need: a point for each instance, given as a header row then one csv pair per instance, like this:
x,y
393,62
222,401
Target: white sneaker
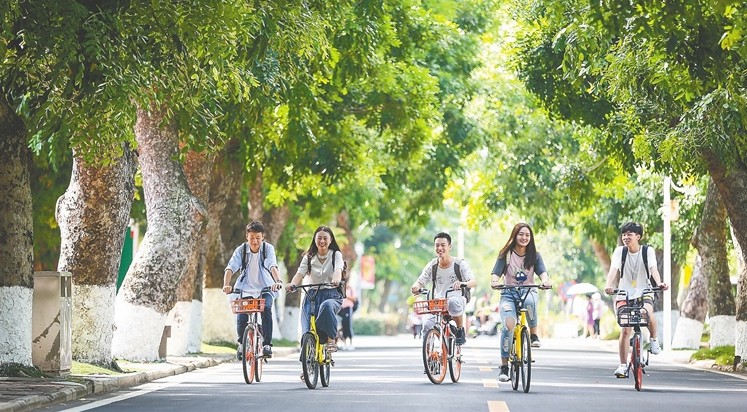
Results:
x,y
654,348
621,370
503,376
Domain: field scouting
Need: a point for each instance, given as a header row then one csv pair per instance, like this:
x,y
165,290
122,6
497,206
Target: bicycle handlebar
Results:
x,y
241,292
504,287
624,292
424,291
295,288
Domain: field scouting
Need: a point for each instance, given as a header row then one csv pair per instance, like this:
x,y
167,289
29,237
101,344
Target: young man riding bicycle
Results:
x,y
447,272
256,262
637,272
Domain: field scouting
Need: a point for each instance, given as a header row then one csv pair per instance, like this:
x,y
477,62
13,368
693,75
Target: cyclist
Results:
x,y
635,277
446,272
256,262
323,263
520,262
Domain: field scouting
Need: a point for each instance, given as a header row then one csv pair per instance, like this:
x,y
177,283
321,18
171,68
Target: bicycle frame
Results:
x,y
633,314
252,358
316,362
520,352
439,343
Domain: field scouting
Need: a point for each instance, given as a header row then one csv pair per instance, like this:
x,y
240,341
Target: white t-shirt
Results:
x,y
634,280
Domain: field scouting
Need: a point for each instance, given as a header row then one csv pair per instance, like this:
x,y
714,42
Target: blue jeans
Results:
x,y
242,319
507,307
326,304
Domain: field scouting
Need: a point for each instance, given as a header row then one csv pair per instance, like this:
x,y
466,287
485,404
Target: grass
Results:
x,y
722,355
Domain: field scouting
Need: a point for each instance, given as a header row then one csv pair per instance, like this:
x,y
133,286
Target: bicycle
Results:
x,y
316,361
439,343
633,314
252,357
520,353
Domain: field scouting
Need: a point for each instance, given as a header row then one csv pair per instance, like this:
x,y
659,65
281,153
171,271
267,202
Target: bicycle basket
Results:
x,y
248,305
430,306
632,316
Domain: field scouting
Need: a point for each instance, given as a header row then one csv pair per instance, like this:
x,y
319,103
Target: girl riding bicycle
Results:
x,y
520,262
323,263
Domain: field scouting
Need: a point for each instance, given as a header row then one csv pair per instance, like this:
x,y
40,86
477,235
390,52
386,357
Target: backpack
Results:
x,y
644,250
343,280
262,254
467,292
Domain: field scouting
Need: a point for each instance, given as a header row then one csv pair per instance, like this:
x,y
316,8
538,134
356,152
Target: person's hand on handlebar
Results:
x,y
290,287
663,286
415,289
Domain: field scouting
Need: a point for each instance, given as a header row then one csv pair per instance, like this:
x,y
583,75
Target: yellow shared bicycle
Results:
x,y
520,352
316,360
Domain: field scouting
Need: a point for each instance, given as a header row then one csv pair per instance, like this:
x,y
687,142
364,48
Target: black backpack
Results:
x,y
458,271
262,254
644,250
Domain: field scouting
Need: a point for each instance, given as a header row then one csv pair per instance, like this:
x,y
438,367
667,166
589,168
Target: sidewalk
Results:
x,y
27,394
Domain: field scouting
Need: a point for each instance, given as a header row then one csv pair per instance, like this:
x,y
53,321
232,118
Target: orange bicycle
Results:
x,y
439,343
252,358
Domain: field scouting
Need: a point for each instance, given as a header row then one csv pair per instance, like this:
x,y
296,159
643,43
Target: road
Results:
x,y
385,374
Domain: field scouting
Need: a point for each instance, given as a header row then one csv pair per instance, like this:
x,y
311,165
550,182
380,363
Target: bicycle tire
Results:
x,y
324,373
259,358
455,362
309,362
247,360
635,359
434,356
526,360
513,360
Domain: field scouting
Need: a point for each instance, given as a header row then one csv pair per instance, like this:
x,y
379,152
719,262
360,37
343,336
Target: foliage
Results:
x,y
722,355
371,325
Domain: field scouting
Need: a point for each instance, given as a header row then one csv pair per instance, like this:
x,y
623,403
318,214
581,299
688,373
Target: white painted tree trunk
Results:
x,y
93,323
15,330
740,345
722,330
93,214
219,324
175,218
291,325
186,323
687,334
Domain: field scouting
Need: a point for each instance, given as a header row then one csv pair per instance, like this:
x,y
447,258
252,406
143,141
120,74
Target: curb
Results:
x,y
65,391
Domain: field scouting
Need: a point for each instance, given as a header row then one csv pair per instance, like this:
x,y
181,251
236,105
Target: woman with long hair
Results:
x,y
520,263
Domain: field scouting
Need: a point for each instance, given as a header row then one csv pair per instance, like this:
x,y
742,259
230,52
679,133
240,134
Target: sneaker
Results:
x,y
267,351
654,348
535,341
621,371
503,376
461,339
240,352
351,347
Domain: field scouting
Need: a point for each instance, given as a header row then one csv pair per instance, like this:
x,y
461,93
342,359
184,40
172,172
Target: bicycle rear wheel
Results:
x,y
455,362
434,356
248,349
259,359
309,362
526,360
324,371
635,359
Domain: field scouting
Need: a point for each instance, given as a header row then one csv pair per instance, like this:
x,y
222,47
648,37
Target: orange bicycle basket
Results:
x,y
430,306
249,305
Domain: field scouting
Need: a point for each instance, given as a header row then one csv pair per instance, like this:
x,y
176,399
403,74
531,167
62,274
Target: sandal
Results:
x,y
331,347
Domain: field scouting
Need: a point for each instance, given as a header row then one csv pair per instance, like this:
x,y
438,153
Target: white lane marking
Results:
x,y
146,389
489,383
497,406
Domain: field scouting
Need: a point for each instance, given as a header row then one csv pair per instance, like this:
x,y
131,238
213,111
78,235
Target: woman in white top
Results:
x,y
322,263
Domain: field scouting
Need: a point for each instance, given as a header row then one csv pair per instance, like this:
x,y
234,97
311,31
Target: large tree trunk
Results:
x,y
740,345
694,309
225,230
731,182
16,240
710,240
602,256
186,316
174,218
93,214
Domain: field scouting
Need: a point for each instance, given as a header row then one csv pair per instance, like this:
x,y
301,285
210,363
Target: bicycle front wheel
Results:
x,y
455,362
635,360
526,360
309,361
248,349
259,359
434,356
